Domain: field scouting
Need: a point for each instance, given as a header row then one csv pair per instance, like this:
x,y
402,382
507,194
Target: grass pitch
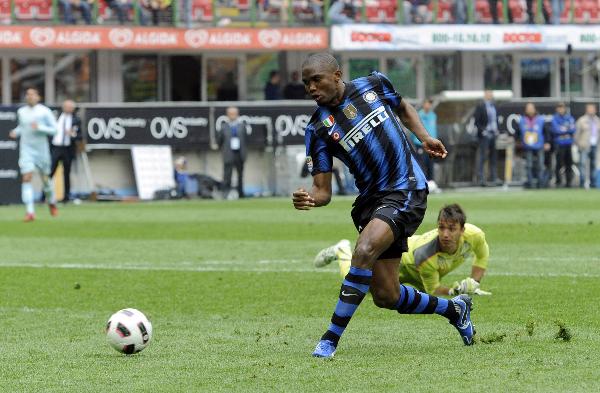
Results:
x,y
237,306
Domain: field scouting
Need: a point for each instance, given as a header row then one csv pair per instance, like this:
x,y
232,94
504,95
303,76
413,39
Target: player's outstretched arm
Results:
x,y
410,118
477,273
320,194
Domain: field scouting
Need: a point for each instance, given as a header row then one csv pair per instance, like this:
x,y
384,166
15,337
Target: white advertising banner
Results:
x,y
153,168
374,37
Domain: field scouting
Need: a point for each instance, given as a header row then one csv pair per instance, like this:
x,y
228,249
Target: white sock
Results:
x,y
49,191
27,197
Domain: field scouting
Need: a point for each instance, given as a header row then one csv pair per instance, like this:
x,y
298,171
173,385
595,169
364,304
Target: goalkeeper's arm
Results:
x,y
477,273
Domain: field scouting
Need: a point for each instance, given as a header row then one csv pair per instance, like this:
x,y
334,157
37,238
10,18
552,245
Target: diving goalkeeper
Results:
x,y
432,255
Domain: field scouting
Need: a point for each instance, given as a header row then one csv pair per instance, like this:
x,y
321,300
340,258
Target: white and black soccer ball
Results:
x,y
128,331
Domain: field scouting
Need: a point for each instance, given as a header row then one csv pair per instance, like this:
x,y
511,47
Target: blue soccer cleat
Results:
x,y
463,323
324,349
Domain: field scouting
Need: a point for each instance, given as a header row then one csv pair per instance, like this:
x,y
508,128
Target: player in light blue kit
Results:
x,y
36,124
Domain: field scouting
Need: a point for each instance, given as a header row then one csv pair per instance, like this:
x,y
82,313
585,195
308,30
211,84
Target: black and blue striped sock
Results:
x,y
354,288
412,301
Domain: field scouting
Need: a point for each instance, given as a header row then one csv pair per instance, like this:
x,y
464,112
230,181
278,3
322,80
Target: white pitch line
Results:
x,y
185,267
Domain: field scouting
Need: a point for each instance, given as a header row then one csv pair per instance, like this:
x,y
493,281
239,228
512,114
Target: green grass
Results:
x,y
237,306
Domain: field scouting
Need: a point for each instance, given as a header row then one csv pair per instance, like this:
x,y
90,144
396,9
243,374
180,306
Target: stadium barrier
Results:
x,y
275,142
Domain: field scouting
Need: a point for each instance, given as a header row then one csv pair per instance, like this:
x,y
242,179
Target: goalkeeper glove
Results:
x,y
467,286
479,291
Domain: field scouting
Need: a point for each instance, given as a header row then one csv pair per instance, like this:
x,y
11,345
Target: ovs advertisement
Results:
x,y
10,186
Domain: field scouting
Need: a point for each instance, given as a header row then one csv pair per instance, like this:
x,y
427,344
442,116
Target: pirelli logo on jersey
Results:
x,y
366,125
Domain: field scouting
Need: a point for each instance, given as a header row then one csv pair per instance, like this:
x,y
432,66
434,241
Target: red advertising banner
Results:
x,y
132,38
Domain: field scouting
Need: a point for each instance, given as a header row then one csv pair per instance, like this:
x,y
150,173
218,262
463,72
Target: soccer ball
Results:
x,y
128,331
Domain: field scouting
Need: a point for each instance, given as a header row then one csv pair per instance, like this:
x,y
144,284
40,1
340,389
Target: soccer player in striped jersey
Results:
x,y
432,255
359,123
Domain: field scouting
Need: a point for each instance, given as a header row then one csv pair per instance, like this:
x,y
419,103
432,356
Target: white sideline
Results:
x,y
245,267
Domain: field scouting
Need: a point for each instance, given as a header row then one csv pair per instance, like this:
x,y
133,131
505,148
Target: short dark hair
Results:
x,y
561,105
32,88
428,100
453,212
324,60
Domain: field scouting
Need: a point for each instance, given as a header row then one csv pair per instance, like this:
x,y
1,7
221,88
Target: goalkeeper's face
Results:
x,y
449,233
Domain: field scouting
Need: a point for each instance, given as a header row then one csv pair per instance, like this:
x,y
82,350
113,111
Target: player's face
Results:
x,y
561,110
32,97
322,85
449,233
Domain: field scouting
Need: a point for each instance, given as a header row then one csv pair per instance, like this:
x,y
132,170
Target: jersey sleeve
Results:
x,y
19,128
386,90
48,124
481,251
318,158
430,276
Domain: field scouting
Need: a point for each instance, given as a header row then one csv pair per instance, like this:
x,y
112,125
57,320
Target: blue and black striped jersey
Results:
x,y
366,136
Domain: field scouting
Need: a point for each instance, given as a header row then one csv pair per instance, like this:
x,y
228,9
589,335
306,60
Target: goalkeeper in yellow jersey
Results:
x,y
432,255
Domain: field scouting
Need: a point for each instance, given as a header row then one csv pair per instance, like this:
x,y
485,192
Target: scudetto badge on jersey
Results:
x,y
329,122
370,96
350,112
309,164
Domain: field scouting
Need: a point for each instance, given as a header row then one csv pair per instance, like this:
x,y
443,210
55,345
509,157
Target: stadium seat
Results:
x,y
381,11
482,12
444,14
564,16
106,13
202,10
303,10
5,11
517,9
590,9
33,9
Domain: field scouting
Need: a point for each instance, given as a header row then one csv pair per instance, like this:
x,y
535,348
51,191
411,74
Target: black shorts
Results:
x,y
402,210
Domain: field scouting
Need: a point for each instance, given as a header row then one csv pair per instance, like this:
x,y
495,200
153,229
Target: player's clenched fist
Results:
x,y
302,199
435,148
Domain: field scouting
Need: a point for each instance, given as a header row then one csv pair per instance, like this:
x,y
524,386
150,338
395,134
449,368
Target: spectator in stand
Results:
x,y
152,8
429,119
558,6
486,122
121,8
316,7
273,86
530,13
232,141
341,12
587,134
459,9
563,129
420,11
494,11
295,89
84,6
532,139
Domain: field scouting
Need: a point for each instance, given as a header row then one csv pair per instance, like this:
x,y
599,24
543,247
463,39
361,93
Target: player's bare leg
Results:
x,y
385,287
381,278
372,241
